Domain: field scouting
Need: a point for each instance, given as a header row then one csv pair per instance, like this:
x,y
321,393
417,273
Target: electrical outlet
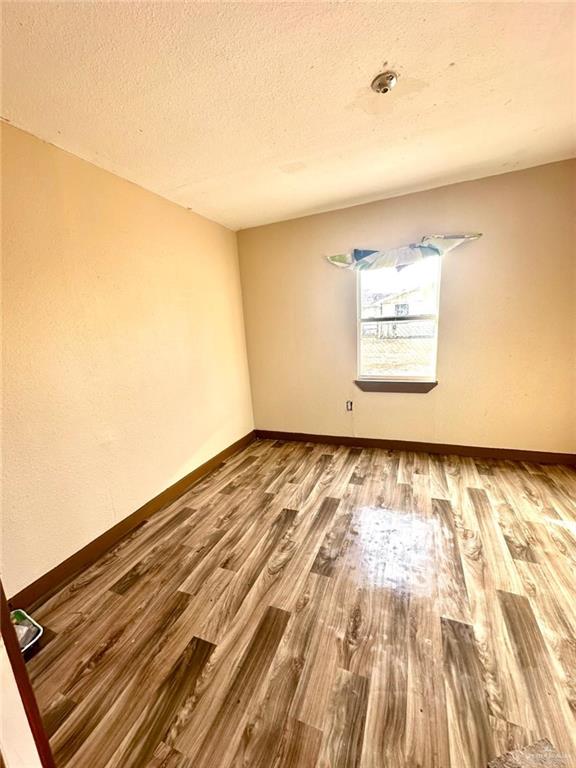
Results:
x,y
348,405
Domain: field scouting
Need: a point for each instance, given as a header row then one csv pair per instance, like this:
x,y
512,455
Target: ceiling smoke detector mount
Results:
x,y
384,82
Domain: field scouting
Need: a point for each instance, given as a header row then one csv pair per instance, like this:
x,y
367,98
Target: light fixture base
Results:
x,y
384,82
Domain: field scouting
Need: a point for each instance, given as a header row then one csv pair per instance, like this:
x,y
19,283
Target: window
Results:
x,y
398,322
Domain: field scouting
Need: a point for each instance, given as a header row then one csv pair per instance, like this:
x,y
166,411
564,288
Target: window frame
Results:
x,y
431,379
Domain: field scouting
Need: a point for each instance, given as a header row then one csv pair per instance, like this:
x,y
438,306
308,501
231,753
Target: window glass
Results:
x,y
398,321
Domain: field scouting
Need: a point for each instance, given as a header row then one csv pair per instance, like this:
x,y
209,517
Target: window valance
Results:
x,y
430,245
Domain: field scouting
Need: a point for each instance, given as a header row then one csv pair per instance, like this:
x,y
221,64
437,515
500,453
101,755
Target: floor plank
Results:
x,y
551,708
471,738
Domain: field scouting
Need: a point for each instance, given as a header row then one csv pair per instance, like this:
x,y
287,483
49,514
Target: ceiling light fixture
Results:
x,y
384,82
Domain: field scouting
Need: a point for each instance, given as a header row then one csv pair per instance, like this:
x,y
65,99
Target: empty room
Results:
x,y
288,384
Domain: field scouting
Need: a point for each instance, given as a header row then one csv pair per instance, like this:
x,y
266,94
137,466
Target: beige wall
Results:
x,y
506,362
124,351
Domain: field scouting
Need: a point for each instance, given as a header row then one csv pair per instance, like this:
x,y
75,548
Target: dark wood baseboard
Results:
x,y
479,452
61,574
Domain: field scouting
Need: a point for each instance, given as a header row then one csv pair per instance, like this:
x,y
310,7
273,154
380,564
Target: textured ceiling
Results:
x,y
254,112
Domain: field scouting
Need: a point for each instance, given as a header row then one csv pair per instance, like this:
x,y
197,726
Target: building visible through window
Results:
x,y
398,322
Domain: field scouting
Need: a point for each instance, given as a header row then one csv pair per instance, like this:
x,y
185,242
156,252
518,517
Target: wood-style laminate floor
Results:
x,y
315,605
